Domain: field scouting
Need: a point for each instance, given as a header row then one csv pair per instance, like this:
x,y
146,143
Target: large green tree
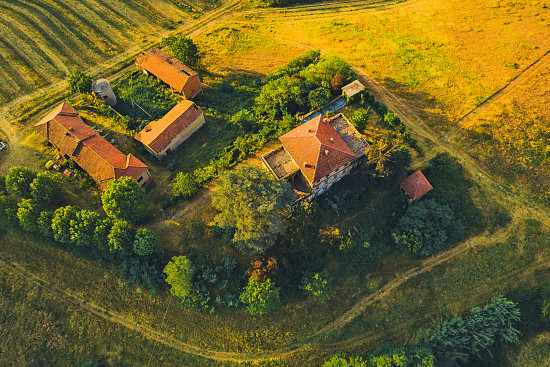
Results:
x,y
427,228
28,213
47,187
125,199
260,297
184,49
83,227
387,158
179,274
18,181
146,242
64,218
121,237
255,204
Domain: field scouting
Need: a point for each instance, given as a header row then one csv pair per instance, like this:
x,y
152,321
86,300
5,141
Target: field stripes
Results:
x,y
42,41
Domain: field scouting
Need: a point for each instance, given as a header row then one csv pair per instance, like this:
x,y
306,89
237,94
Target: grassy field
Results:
x,y
41,42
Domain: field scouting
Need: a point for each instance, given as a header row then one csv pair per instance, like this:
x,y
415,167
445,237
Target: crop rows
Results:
x,y
42,41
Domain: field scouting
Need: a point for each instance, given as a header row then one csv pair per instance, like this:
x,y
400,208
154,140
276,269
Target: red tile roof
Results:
x,y
166,68
157,135
317,148
416,185
65,129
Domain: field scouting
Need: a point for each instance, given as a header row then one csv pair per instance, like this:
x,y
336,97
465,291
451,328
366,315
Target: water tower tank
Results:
x,y
102,88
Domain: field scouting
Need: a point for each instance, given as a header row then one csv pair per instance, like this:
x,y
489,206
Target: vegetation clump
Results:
x,y
125,199
260,297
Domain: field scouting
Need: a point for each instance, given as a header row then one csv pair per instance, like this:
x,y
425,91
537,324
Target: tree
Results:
x,y
284,96
318,284
359,119
244,119
3,185
44,223
260,297
326,69
80,82
8,211
125,199
146,242
255,204
427,228
101,234
18,181
337,82
179,274
388,158
83,227
320,97
121,237
28,212
185,185
47,187
184,49
63,219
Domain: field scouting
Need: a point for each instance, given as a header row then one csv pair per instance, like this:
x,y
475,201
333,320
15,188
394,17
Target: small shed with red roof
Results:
x,y
163,136
415,186
170,70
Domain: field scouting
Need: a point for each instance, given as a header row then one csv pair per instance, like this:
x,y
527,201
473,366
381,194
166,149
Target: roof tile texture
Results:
x,y
416,185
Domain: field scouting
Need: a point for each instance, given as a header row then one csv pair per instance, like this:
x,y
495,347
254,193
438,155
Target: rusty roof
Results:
x,y
416,185
157,135
165,67
317,148
64,128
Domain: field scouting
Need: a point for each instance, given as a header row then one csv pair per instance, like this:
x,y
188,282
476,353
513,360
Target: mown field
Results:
x,y
41,42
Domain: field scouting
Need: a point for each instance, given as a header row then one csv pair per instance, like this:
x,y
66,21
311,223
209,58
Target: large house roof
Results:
x,y
168,69
64,128
157,135
317,148
416,185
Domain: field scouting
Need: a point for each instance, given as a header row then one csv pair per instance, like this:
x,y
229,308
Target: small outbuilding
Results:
x,y
352,89
415,186
171,71
163,136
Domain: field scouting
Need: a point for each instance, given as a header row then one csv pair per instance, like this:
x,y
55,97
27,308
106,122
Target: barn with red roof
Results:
x,y
316,154
415,186
64,128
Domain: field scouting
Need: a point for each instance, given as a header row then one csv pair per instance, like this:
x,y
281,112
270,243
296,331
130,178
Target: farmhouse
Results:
x,y
316,154
171,71
415,186
163,136
64,128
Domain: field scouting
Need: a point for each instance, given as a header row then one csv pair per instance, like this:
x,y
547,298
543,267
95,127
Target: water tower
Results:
x,y
102,88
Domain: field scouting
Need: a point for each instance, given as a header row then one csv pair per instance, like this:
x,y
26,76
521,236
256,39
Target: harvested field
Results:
x,y
42,41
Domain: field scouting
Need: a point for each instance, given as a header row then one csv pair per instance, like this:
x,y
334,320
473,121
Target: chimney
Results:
x,y
326,152
308,130
332,140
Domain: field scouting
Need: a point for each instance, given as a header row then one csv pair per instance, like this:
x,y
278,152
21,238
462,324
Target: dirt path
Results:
x,y
523,77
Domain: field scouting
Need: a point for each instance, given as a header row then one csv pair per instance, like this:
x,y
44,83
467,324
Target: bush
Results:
x,y
179,272
18,181
359,119
146,242
185,185
318,284
80,82
184,49
427,228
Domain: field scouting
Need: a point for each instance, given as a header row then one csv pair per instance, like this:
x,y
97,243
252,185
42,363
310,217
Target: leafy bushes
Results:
x,y
318,284
260,297
184,49
427,228
80,82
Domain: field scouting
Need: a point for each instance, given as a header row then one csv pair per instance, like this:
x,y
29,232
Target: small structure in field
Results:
x,y
163,136
352,89
103,90
171,71
75,140
415,186
316,154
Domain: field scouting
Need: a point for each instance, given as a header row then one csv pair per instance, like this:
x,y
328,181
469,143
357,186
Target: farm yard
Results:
x,y
430,62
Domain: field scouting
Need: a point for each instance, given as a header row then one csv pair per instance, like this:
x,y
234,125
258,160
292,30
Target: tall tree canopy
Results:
x,y
184,49
260,297
146,242
47,187
388,158
18,181
427,228
125,199
255,204
179,274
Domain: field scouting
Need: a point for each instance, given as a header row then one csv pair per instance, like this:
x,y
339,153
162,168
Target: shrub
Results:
x,y
80,82
146,242
359,119
184,49
318,284
179,272
185,185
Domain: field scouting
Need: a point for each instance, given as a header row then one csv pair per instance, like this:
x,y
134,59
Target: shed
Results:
x,y
352,89
415,186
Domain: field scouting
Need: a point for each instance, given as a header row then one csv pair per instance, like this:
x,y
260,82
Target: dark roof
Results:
x,y
317,148
64,128
416,185
157,135
168,69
